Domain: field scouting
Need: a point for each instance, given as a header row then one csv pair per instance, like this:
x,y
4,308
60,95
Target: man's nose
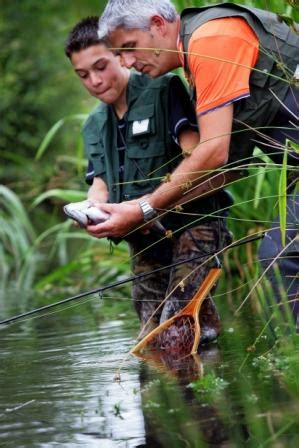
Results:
x,y
128,59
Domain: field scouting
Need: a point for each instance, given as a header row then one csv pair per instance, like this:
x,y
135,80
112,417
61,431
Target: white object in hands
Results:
x,y
85,213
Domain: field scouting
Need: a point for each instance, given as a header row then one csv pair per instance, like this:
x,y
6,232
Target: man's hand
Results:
x,y
124,217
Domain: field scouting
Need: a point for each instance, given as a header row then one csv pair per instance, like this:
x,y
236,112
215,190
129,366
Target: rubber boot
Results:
x,y
209,321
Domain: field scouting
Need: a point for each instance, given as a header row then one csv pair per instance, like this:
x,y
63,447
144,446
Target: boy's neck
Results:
x,y
120,106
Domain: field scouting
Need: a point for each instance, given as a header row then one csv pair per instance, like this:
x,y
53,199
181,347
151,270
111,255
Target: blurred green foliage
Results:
x,y
36,83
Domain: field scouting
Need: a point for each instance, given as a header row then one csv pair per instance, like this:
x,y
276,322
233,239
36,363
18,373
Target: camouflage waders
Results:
x,y
179,283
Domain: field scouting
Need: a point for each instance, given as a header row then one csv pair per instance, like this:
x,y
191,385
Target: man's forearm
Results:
x,y
210,154
185,179
209,185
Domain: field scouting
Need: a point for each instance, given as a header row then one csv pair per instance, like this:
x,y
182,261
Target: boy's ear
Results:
x,y
119,56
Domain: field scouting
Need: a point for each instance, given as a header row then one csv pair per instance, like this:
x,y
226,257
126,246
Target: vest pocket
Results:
x,y
98,162
93,150
146,164
141,121
144,149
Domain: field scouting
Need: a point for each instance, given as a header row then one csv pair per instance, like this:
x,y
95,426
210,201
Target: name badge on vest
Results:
x,y
140,127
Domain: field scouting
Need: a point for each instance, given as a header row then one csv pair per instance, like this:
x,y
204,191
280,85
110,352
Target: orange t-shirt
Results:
x,y
221,55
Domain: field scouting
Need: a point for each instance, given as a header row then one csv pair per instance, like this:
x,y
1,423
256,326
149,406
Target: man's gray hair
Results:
x,y
134,14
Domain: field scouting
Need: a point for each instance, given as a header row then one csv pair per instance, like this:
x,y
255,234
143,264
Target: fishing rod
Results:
x,y
124,281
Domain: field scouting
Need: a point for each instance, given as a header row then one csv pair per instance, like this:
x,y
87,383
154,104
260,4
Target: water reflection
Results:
x,y
173,414
57,385
57,388
189,368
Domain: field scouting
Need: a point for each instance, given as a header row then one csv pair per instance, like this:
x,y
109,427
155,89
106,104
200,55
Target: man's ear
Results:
x,y
159,23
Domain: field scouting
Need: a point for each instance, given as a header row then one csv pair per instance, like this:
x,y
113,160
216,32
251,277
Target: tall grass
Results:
x,y
53,254
17,237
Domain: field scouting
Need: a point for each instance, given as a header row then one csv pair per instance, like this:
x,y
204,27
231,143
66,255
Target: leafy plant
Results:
x,y
17,236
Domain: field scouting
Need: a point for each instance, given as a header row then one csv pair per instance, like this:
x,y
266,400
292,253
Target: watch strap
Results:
x,y
147,210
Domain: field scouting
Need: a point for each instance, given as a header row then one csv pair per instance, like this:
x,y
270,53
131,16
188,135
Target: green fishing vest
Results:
x,y
147,140
278,58
149,150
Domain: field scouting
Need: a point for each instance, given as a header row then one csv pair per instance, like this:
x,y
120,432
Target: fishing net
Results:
x,y
179,336
177,339
188,368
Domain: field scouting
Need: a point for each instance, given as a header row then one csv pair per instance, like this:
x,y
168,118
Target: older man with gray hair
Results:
x,y
240,62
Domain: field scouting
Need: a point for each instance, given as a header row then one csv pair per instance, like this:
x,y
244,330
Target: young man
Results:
x,y
240,62
132,140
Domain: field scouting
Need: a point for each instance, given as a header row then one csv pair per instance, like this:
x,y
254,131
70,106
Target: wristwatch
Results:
x,y
148,211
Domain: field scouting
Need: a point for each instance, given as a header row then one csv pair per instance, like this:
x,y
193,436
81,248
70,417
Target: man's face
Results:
x,y
100,72
127,42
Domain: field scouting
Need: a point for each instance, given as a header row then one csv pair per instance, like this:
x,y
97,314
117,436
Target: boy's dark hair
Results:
x,y
83,35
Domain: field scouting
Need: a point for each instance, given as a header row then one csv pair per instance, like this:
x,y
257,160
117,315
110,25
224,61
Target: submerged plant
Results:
x,y
209,383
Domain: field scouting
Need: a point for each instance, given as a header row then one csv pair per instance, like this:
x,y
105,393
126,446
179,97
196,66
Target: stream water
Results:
x,y
66,380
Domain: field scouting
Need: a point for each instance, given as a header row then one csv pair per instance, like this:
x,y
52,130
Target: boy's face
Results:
x,y
100,72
